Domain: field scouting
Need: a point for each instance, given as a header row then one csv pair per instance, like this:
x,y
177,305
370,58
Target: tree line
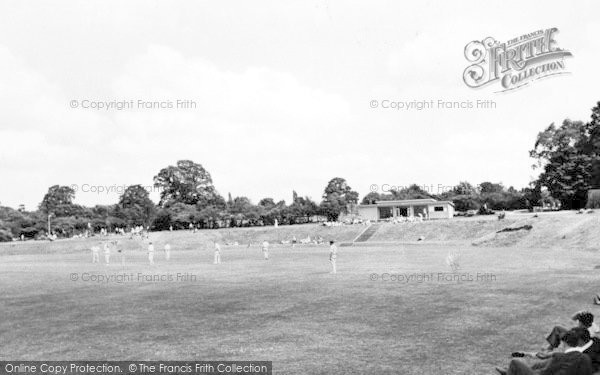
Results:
x,y
568,157
187,198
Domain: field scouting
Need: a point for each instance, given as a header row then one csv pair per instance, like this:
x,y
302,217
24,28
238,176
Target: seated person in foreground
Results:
x,y
585,320
571,362
590,346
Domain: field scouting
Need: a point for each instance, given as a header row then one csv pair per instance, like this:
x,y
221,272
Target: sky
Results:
x,y
280,94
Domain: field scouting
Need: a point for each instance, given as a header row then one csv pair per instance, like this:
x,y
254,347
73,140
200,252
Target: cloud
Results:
x,y
244,121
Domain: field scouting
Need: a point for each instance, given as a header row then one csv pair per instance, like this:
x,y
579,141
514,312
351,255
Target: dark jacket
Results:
x,y
594,353
572,363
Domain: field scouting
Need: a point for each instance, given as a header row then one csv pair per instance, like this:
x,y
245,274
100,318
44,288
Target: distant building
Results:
x,y
428,208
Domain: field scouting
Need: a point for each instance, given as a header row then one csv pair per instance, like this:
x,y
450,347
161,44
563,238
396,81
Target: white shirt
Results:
x,y
586,346
332,252
580,349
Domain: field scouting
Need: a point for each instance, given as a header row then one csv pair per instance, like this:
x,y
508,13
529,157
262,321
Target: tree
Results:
x,y
267,203
531,196
336,198
466,202
489,187
187,183
371,198
182,215
135,206
16,223
242,209
240,205
301,210
5,234
464,188
162,220
268,211
279,211
414,191
566,157
592,147
211,217
58,200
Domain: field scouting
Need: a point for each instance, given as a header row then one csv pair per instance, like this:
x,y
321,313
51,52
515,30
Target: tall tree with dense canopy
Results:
x,y
187,183
593,146
563,154
135,206
58,201
336,198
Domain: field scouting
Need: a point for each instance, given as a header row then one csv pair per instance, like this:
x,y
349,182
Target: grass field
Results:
x,y
289,309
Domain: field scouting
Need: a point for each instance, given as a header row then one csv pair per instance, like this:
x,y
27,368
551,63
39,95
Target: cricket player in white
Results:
x,y
265,249
332,256
167,251
151,253
106,253
217,253
95,254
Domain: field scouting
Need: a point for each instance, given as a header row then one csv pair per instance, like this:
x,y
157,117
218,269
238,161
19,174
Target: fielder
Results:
x,y
151,253
217,253
107,253
332,256
265,249
167,251
95,254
